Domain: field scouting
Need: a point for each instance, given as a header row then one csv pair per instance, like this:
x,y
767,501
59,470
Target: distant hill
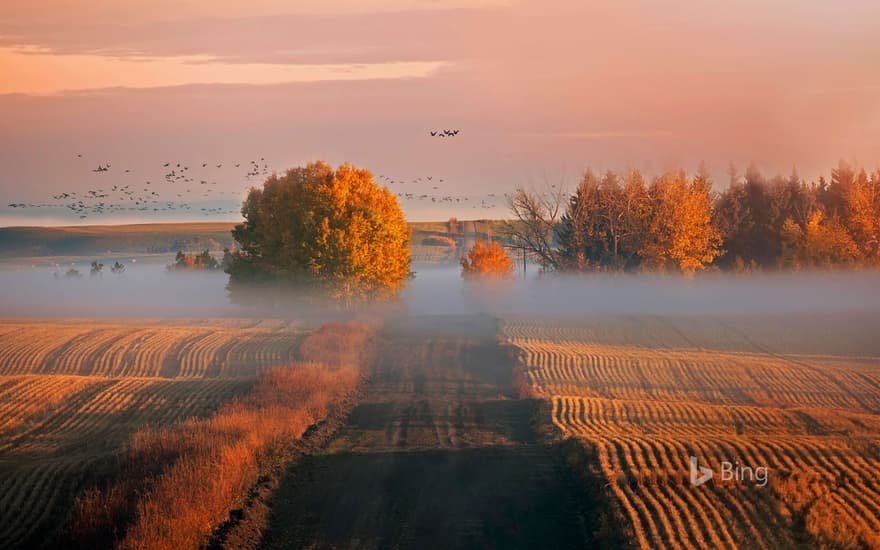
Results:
x,y
164,238
92,240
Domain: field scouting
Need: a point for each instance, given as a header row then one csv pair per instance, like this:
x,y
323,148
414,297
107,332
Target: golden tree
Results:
x,y
486,260
331,230
680,234
862,211
821,243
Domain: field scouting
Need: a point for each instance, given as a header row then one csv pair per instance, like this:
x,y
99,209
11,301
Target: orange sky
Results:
x,y
540,89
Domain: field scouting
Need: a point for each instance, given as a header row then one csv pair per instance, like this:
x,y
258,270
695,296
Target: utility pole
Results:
x,y
524,256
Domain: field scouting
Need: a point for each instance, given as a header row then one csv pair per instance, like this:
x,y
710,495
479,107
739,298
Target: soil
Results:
x,y
439,453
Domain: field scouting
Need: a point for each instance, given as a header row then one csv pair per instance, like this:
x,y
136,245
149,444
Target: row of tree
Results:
x,y
95,269
200,262
676,222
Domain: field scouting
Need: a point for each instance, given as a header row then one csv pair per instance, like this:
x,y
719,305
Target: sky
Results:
x,y
539,89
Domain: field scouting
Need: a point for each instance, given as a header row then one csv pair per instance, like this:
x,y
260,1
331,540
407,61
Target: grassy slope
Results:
x,y
97,240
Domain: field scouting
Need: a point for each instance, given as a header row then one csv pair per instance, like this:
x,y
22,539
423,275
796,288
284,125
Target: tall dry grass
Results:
x,y
178,483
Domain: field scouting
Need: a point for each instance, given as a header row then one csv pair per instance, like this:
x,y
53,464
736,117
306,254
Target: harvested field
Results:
x,y
72,393
645,394
225,349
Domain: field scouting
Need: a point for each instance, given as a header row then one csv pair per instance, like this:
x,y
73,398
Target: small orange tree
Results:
x,y
486,260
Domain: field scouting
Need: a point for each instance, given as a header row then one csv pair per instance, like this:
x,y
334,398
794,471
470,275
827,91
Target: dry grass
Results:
x,y
339,344
203,468
646,404
73,392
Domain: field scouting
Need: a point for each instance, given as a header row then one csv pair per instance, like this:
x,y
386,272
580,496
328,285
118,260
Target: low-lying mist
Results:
x,y
442,291
149,290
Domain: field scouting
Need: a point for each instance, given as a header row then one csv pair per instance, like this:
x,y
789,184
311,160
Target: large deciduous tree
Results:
x,y
534,227
333,231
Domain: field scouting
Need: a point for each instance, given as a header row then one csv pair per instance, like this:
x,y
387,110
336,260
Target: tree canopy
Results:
x,y
333,231
677,223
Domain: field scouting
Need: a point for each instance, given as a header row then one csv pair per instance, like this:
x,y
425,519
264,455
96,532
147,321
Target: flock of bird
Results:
x,y
183,187
444,133
486,203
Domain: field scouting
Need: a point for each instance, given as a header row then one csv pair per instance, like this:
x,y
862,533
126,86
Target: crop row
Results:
x,y
167,351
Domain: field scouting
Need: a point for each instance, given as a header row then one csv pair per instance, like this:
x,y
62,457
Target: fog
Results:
x,y
441,290
147,289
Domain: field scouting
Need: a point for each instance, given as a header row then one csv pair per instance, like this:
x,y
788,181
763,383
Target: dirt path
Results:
x,y
438,454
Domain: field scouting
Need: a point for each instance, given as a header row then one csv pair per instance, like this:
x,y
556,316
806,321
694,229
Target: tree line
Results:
x,y
675,222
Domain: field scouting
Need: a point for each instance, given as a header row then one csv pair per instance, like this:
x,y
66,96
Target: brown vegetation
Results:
x,y
73,392
202,469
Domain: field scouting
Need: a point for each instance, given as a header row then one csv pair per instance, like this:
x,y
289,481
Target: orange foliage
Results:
x,y
487,260
332,229
178,483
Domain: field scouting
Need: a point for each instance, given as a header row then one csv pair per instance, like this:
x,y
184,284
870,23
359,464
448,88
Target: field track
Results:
x,y
72,393
646,397
439,453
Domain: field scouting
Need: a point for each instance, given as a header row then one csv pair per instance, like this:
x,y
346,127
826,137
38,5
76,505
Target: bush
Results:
x,y
194,262
487,260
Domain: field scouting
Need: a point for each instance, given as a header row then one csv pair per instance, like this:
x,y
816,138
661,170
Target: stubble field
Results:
x,y
72,392
800,397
